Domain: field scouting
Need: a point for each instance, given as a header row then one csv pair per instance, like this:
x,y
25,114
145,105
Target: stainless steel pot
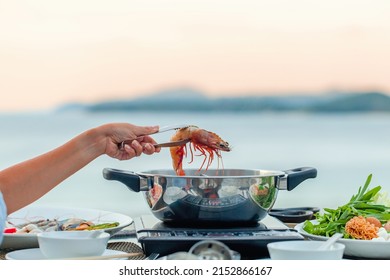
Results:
x,y
215,196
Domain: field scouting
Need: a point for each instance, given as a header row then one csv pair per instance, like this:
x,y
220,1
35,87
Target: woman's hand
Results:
x,y
116,133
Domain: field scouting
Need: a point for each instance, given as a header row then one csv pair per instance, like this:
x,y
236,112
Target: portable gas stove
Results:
x,y
250,241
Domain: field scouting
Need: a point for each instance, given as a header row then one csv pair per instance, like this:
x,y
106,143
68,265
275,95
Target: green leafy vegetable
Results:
x,y
103,226
361,204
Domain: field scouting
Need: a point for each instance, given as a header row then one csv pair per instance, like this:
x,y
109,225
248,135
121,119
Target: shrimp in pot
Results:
x,y
206,142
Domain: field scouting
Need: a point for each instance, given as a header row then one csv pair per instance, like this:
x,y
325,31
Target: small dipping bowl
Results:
x,y
304,250
72,244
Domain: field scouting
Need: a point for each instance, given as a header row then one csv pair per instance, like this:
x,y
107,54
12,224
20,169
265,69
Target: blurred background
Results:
x,y
287,83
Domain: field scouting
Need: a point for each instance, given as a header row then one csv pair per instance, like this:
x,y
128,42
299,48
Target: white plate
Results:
x,y
36,254
30,240
366,249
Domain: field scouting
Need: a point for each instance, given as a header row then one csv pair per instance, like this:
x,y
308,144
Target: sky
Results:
x,y
52,51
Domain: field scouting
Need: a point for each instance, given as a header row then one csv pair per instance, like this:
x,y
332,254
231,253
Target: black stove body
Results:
x,y
249,240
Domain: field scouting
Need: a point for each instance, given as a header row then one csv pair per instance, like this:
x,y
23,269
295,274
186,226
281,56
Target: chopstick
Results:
x,y
108,257
172,144
161,145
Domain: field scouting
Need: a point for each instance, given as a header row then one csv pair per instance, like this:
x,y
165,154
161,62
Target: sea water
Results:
x,y
344,148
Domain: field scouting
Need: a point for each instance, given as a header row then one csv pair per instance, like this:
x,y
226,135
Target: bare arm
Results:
x,y
27,181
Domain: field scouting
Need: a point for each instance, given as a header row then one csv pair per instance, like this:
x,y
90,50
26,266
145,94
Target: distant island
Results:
x,y
186,99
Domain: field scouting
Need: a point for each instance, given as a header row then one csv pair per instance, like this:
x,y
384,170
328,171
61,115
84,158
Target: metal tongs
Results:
x,y
166,144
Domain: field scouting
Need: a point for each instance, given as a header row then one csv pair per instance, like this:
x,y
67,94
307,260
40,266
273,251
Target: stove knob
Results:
x,y
211,250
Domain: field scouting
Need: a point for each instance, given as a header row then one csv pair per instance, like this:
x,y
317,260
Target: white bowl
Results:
x,y
72,244
304,250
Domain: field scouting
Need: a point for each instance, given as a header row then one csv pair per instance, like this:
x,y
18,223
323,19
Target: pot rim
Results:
x,y
256,173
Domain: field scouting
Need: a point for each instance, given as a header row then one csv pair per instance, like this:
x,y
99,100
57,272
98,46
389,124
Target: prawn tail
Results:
x,y
177,155
180,172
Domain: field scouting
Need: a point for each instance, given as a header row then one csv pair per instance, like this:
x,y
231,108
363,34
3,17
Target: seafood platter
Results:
x,y
23,225
196,204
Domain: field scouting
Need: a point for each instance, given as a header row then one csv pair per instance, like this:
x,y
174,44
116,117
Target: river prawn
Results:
x,y
206,142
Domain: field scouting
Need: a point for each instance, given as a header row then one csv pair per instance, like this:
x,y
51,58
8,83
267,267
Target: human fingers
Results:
x,y
128,152
150,149
137,148
149,140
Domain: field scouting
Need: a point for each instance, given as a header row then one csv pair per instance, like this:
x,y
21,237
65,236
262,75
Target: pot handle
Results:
x,y
298,175
131,179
